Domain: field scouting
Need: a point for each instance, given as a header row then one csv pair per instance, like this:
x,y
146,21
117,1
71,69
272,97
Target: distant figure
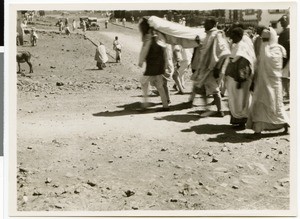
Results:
x,y
67,30
30,17
66,22
132,19
106,24
124,22
42,13
60,25
74,25
25,22
83,26
101,56
183,21
117,47
20,31
33,37
284,40
18,39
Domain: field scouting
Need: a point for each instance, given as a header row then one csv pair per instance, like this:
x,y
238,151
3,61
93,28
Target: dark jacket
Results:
x,y
284,40
155,60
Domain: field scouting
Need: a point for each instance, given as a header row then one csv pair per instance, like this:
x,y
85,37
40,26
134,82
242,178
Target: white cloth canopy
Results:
x,y
177,34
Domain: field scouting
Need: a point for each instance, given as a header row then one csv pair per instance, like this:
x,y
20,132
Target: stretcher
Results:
x,y
177,34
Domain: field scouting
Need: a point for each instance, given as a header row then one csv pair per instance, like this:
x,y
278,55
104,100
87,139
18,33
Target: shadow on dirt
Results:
x,y
27,44
129,109
183,118
136,105
243,137
181,94
228,134
150,95
136,108
155,94
93,69
208,113
190,116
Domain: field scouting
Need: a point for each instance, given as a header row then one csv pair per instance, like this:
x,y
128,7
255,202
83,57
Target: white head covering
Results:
x,y
244,49
271,54
271,35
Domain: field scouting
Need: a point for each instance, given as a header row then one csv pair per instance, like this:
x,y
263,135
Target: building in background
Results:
x,y
251,17
264,17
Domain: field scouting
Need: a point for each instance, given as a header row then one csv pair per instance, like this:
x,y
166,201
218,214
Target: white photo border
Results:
x,y
11,143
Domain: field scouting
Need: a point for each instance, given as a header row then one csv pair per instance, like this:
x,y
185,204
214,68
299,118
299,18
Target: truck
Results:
x,y
91,23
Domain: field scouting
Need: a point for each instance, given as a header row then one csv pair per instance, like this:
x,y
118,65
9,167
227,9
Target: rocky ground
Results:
x,y
82,145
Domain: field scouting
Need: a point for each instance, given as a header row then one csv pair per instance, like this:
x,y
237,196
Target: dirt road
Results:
x,y
82,145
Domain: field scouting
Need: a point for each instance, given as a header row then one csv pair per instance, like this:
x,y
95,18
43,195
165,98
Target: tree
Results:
x,y
42,13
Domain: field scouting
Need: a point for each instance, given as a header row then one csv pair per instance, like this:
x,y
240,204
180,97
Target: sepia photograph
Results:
x,y
152,110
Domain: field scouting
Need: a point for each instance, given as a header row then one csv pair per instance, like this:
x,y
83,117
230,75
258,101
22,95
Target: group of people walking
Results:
x,y
64,26
249,68
101,57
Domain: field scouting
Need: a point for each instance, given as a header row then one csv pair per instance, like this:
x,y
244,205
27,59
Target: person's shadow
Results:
x,y
182,118
189,116
92,69
136,108
128,109
228,134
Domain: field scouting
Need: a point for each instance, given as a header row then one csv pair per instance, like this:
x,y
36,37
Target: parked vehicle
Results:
x,y
92,24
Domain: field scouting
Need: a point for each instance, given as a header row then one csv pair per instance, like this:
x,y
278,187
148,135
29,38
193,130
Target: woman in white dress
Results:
x,y
267,110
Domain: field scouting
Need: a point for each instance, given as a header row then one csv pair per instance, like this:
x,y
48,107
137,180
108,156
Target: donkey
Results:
x,y
24,56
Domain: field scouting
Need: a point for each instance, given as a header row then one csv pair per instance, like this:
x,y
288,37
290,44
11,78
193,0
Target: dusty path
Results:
x,y
83,146
127,41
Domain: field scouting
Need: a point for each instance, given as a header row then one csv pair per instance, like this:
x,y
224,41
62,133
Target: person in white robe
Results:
x,y
213,52
74,25
182,61
101,56
267,111
118,48
239,74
